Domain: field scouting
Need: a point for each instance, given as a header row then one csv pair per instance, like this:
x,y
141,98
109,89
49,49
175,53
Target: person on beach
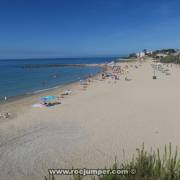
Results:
x,y
81,82
103,76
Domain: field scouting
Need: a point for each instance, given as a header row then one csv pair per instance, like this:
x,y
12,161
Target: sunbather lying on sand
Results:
x,y
4,115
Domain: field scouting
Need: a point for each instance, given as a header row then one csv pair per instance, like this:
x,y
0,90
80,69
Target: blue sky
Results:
x,y
78,28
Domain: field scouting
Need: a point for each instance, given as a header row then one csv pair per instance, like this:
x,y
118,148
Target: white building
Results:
x,y
140,54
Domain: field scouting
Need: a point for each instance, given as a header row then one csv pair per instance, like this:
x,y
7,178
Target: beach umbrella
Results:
x,y
48,98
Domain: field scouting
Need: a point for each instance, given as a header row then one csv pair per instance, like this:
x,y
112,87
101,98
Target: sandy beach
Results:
x,y
91,127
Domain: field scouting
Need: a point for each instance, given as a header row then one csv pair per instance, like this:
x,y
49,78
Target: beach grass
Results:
x,y
151,165
49,177
148,165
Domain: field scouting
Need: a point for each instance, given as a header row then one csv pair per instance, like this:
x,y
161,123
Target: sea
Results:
x,y
15,80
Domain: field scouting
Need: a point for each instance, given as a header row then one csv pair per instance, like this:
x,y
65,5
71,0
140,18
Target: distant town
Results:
x,y
163,55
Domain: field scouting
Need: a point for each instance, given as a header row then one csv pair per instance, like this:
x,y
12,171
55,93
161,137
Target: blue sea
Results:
x,y
16,81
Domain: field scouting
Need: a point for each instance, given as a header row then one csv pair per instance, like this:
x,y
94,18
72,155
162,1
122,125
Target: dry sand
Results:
x,y
91,127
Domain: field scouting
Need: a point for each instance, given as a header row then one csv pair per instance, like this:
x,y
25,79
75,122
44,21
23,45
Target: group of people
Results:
x,y
66,93
116,72
84,83
5,115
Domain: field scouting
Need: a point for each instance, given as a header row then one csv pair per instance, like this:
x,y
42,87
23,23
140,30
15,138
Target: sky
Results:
x,y
85,28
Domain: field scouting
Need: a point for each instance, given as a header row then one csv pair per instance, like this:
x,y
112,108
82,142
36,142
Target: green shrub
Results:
x,y
149,165
170,59
50,177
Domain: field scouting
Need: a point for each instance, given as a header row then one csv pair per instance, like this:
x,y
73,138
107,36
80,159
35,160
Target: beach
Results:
x,y
91,127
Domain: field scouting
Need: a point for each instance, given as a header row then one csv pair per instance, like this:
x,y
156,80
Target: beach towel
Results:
x,y
38,105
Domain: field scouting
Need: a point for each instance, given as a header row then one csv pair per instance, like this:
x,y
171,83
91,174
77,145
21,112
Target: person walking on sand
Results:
x,y
126,73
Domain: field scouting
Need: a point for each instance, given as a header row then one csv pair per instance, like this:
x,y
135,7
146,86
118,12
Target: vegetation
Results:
x,y
165,51
151,165
50,177
171,59
162,51
168,51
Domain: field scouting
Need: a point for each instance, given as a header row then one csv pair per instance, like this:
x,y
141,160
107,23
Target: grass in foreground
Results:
x,y
149,166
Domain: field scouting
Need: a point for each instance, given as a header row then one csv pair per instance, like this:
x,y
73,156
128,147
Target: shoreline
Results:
x,y
32,97
42,91
20,104
26,100
103,67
